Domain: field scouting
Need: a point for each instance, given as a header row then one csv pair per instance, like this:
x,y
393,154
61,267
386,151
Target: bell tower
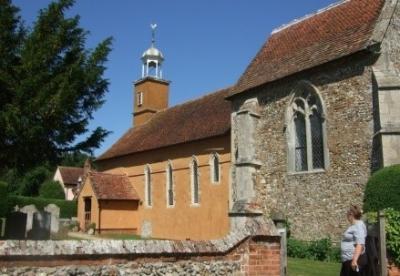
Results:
x,y
151,90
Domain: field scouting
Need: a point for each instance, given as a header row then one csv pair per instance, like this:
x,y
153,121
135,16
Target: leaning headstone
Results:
x,y
16,226
40,226
29,210
54,210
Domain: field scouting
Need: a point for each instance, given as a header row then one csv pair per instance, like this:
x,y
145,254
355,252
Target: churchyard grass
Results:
x,y
304,267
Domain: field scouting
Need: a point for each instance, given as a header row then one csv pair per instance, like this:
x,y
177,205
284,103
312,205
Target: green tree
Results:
x,y
31,182
50,85
74,159
52,189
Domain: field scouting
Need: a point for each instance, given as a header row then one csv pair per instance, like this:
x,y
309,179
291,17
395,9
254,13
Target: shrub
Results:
x,y
3,199
320,250
68,208
393,234
32,181
52,189
383,190
297,249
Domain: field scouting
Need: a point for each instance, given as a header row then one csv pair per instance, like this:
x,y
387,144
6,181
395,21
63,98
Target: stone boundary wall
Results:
x,y
252,250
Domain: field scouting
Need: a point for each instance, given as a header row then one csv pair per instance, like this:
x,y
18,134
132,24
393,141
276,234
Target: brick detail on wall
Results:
x,y
257,255
251,249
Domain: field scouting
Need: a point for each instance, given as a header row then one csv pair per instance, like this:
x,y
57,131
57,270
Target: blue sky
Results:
x,y
207,44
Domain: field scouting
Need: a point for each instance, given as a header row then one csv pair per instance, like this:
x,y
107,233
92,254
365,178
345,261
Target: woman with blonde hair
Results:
x,y
353,244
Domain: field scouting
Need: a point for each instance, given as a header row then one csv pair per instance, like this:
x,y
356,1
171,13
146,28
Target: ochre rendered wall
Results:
x,y
208,220
118,215
155,98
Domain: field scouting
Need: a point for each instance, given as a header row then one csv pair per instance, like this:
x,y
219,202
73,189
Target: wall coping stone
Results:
x,y
252,227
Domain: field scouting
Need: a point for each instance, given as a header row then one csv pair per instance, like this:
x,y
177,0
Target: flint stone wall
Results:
x,y
316,203
253,247
133,268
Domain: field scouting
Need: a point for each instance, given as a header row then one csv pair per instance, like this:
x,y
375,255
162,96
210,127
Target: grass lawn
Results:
x,y
304,267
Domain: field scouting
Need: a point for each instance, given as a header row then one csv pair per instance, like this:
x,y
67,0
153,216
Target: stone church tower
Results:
x,y
151,90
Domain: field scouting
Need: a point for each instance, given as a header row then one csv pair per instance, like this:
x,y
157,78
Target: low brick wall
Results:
x,y
253,249
393,270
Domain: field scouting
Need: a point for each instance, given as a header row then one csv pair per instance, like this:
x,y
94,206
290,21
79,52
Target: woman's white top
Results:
x,y
355,234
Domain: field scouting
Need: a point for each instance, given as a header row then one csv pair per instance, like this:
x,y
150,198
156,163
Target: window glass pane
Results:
x,y
148,186
216,168
300,143
170,186
195,183
317,141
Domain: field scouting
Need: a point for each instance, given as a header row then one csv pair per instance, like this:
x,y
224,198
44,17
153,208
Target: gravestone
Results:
x,y
29,210
16,226
3,227
40,226
54,210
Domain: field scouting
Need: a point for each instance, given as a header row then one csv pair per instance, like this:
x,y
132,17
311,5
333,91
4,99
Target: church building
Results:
x,y
168,176
315,113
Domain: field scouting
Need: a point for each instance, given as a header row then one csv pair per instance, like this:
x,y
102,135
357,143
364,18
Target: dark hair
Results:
x,y
355,211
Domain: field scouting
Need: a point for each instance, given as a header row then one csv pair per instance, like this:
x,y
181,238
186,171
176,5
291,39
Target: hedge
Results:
x,y
392,228
68,208
383,190
321,250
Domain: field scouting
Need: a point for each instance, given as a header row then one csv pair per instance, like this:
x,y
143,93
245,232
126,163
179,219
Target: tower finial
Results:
x,y
153,33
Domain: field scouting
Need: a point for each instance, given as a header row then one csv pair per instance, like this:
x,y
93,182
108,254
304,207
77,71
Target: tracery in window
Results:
x,y
307,145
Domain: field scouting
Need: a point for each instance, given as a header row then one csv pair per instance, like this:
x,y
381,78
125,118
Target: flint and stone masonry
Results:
x,y
361,96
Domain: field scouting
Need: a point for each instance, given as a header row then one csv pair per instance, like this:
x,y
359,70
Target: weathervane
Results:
x,y
153,27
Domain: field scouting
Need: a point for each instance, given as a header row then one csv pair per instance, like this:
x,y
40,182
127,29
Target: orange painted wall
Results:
x,y
118,215
208,220
155,97
110,214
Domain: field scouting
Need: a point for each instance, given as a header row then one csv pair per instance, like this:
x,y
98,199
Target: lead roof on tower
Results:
x,y
153,52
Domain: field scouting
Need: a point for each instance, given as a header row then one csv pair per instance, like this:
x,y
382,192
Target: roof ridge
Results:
x,y
110,174
307,16
208,94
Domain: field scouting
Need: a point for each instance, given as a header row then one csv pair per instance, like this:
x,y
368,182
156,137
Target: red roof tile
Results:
x,y
194,120
338,31
112,186
70,175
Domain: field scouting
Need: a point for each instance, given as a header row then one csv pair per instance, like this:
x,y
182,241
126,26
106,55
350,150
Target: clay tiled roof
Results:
x,y
335,32
112,186
205,117
70,175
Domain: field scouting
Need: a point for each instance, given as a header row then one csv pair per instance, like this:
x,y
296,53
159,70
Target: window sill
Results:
x,y
308,172
195,205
